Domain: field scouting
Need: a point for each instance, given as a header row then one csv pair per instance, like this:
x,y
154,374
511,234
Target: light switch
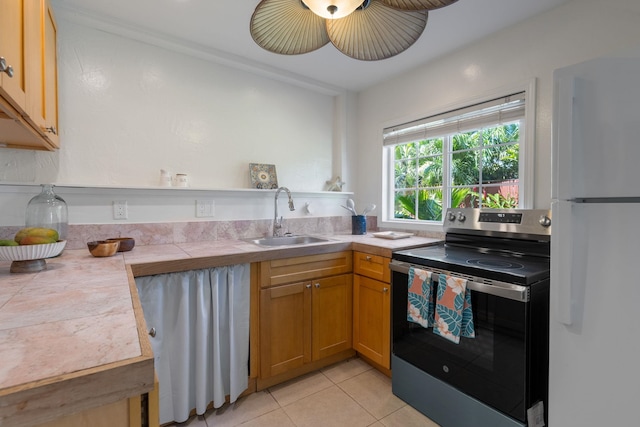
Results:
x,y
205,208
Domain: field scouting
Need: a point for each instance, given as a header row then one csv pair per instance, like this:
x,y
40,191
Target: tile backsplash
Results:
x,y
183,232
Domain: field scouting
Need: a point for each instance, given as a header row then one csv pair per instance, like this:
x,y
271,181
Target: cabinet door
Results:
x,y
12,46
372,319
332,307
285,328
42,74
50,75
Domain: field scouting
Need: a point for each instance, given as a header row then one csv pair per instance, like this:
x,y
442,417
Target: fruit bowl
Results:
x,y
31,252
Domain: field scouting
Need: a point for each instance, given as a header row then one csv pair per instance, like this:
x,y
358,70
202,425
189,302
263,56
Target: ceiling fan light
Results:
x,y
341,8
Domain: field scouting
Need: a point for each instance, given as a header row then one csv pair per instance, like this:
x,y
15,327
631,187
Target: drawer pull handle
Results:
x,y
309,286
385,289
317,285
367,258
152,332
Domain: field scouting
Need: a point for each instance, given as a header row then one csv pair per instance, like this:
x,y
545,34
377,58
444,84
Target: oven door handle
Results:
x,y
499,289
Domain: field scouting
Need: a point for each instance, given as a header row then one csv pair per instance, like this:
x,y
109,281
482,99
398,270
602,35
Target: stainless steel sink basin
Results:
x,y
288,240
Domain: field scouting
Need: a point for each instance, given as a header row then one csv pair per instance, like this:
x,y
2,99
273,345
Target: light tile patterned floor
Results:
x,y
350,393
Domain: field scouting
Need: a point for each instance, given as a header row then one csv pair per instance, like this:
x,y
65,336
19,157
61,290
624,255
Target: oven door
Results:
x,y
499,366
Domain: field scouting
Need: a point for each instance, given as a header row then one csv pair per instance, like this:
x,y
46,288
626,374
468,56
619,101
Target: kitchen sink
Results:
x,y
288,240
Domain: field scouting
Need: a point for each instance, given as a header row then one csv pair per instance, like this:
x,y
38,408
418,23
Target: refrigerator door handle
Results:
x,y
563,243
563,126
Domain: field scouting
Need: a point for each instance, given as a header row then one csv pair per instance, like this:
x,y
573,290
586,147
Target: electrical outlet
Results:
x,y
120,209
205,208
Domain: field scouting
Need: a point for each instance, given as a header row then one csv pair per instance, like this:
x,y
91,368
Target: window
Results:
x,y
470,157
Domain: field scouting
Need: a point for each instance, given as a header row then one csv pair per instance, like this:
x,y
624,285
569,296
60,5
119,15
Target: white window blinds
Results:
x,y
490,113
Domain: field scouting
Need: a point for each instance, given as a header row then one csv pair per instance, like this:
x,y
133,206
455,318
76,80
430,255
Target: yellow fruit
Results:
x,y
36,240
8,243
50,235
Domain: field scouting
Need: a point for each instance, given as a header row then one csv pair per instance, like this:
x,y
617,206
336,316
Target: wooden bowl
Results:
x,y
126,243
102,248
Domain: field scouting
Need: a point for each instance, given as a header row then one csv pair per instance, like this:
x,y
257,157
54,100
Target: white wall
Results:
x,y
571,33
129,108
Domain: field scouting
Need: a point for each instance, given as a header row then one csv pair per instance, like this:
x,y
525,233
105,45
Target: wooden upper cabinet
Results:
x,y
12,43
29,99
42,73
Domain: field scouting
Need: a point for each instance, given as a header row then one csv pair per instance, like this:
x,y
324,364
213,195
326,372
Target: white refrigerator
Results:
x,y
594,348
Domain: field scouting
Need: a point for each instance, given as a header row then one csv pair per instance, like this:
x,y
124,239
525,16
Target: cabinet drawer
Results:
x,y
289,270
373,266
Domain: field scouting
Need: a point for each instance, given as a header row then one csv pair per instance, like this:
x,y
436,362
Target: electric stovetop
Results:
x,y
495,265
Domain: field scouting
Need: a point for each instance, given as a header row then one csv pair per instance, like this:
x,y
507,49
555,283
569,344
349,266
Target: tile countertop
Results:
x,y
73,336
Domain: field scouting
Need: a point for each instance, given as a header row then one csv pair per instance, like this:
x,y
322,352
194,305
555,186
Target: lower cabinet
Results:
x,y
306,324
372,320
372,308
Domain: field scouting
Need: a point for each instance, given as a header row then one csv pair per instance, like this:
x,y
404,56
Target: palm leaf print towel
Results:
x,y
420,303
453,316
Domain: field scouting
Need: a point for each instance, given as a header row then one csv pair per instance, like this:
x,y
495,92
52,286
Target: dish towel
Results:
x,y
420,302
453,316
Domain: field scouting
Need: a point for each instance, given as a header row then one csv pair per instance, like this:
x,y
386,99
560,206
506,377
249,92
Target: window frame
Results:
x,y
526,160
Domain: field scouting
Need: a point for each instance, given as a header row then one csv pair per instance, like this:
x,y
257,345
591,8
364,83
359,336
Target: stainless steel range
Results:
x,y
497,376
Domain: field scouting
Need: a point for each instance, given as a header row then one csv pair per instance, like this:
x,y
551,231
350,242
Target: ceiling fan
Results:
x,y
367,30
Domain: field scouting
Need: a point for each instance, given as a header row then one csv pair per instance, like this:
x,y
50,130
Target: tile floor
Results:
x,y
350,393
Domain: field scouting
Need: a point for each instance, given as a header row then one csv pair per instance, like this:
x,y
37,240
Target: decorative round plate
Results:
x,y
30,252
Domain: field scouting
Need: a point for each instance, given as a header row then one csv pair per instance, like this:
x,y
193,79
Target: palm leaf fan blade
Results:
x,y
418,4
286,27
405,27
376,32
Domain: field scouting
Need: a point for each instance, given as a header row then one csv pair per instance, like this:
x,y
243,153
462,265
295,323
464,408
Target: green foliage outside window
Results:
x,y
478,162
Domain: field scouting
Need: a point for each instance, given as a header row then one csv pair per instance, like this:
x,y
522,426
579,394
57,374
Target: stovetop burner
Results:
x,y
494,263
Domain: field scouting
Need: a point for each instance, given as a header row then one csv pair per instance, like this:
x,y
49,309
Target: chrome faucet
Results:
x,y
277,222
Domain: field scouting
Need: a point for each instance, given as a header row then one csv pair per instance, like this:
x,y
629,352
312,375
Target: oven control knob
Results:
x,y
452,216
461,217
545,221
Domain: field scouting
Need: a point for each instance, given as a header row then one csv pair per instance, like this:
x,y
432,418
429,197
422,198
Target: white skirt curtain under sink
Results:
x,y
201,346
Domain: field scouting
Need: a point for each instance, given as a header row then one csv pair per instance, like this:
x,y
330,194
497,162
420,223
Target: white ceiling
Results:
x,y
221,29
